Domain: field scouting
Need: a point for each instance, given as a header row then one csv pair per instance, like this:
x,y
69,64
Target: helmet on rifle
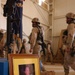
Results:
x,y
35,20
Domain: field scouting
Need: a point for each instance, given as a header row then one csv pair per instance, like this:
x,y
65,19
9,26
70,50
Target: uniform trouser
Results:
x,y
68,61
49,57
37,48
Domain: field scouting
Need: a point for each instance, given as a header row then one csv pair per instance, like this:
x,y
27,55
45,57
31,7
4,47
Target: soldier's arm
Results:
x,y
48,49
33,37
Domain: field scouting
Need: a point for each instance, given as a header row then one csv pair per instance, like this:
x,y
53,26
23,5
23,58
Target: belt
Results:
x,y
19,4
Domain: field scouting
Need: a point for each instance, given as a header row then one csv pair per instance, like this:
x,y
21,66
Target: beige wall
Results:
x,y
2,19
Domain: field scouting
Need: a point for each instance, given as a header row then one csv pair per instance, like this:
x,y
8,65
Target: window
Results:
x,y
43,4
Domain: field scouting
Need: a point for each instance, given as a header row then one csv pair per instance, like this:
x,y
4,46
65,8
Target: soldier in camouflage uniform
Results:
x,y
49,52
35,41
36,38
69,58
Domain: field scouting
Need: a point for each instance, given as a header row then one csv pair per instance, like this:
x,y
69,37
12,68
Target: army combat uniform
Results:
x,y
69,58
70,28
35,41
68,61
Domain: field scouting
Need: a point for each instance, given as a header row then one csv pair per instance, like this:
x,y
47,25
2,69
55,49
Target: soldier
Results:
x,y
50,54
36,37
25,47
71,28
69,58
13,47
2,41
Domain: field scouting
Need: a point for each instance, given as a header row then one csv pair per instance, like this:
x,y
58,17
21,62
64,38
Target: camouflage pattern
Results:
x,y
2,41
34,43
71,33
69,56
68,61
35,40
70,29
36,36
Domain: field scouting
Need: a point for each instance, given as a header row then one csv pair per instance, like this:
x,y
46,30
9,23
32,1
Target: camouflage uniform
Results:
x,y
69,59
35,44
35,39
70,28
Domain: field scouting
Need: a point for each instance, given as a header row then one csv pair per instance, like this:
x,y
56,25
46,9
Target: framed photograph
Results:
x,y
24,64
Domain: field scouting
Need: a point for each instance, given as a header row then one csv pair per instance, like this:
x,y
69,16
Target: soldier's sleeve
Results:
x,y
33,37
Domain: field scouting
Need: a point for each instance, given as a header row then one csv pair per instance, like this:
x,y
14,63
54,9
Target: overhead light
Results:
x,y
40,1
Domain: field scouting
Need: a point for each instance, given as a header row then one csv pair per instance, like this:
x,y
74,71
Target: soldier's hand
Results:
x,y
31,50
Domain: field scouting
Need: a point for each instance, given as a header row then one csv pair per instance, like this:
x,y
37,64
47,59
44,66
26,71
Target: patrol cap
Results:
x,y
70,15
35,20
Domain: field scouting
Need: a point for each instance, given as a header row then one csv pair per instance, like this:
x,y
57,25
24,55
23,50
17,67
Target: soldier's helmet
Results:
x,y
35,20
70,18
70,15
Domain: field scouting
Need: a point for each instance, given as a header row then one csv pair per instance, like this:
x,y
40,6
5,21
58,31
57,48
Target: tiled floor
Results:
x,y
58,68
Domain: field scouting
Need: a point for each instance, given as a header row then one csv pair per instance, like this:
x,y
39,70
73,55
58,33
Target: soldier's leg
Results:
x,y
66,70
73,63
66,66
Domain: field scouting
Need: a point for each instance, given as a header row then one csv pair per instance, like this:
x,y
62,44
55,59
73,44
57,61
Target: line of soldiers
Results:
x,y
13,12
36,42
